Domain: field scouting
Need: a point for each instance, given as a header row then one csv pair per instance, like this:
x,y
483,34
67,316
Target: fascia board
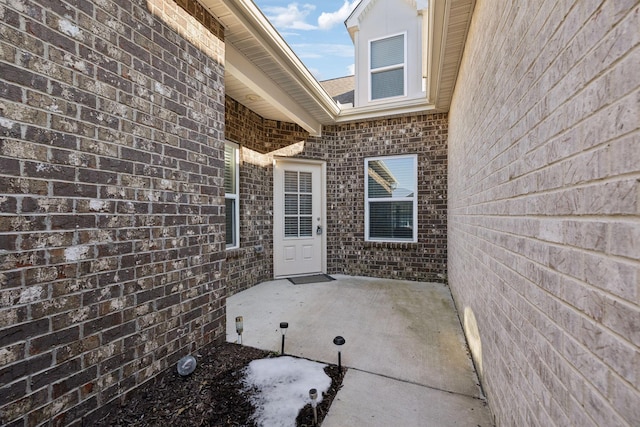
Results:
x,y
438,21
386,109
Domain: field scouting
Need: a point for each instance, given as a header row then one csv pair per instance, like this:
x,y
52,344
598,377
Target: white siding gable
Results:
x,y
379,20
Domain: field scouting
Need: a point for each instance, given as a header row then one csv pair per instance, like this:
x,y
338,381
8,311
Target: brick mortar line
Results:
x,y
559,299
543,337
572,156
629,176
568,101
618,258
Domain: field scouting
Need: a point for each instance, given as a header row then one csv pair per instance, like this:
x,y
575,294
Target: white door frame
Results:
x,y
323,209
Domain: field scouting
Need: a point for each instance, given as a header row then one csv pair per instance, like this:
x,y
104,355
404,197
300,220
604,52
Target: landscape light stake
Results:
x,y
283,330
313,394
239,328
339,342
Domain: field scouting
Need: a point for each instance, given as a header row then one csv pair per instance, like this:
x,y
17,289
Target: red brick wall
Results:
x,y
111,210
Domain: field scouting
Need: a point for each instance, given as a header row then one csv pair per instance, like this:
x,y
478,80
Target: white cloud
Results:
x,y
328,20
291,17
351,69
322,50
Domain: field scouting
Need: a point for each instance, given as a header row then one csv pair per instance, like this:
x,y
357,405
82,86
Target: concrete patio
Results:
x,y
405,350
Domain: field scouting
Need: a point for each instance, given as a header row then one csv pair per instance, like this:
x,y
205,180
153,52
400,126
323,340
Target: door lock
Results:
x,y
319,230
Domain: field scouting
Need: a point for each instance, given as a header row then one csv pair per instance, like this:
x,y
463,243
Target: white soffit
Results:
x,y
259,62
264,74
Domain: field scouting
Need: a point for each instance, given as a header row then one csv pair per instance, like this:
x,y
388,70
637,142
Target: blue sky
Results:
x,y
315,31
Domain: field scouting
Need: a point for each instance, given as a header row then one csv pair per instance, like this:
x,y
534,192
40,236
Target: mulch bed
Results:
x,y
211,396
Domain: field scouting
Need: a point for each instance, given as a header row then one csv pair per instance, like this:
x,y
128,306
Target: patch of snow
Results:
x,y
283,385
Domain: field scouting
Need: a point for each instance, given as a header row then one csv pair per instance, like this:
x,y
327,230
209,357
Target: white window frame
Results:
x,y
413,199
402,65
235,196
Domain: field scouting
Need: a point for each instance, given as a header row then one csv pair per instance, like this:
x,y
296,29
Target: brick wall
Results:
x,y
349,144
344,148
544,231
260,140
111,211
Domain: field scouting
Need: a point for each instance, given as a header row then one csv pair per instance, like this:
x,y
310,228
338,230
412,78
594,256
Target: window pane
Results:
x,y
306,226
392,177
230,169
230,206
391,220
305,204
231,194
291,226
387,52
290,204
290,181
305,182
388,83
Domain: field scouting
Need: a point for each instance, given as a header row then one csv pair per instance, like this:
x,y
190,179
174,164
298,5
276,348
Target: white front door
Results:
x,y
298,218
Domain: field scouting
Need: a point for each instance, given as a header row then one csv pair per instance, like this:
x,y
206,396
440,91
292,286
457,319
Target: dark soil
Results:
x,y
212,396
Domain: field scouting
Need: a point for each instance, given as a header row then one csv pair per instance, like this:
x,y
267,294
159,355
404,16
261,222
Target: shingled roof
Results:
x,y
341,89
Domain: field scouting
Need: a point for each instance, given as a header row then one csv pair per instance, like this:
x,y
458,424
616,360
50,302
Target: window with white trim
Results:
x,y
391,198
231,194
387,67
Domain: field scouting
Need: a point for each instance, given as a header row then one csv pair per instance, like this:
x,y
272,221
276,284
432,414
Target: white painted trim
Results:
x,y
413,199
237,194
404,68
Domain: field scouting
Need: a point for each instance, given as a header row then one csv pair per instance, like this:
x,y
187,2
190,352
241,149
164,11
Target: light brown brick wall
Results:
x,y
111,203
544,226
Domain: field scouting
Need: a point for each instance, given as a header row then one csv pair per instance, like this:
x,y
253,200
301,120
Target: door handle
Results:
x,y
319,230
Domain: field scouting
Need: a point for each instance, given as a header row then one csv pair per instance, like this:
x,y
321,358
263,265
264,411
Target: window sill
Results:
x,y
391,245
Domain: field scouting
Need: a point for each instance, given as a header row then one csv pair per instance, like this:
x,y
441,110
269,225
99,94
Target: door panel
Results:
x,y
298,218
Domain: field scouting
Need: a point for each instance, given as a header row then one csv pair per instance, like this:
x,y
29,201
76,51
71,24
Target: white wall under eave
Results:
x,y
386,18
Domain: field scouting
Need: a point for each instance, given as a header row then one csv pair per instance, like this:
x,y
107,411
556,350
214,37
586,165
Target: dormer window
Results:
x,y
388,67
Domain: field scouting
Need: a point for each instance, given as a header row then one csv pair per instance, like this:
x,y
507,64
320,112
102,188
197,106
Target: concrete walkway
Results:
x,y
405,350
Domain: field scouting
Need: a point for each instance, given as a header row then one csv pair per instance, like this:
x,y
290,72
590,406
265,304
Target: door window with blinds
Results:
x,y
387,67
298,204
391,198
231,195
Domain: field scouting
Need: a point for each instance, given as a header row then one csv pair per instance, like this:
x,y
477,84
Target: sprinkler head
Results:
x,y
339,341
